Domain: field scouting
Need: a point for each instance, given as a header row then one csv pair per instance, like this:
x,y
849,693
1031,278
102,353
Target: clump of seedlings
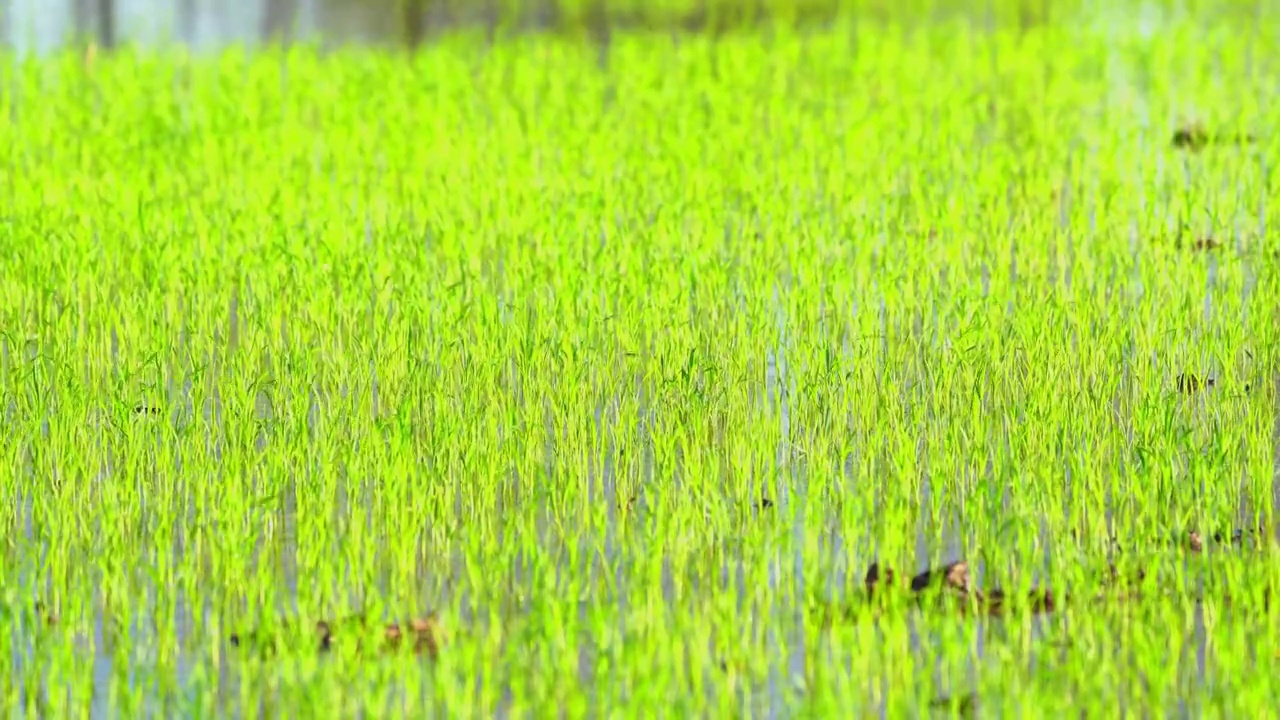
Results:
x,y
1194,541
45,615
952,583
963,706
1184,240
1205,243
422,632
1113,578
948,584
952,578
270,643
1189,383
1243,536
995,602
1195,137
1191,137
878,579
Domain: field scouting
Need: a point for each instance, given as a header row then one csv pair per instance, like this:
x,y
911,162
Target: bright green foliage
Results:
x,y
418,330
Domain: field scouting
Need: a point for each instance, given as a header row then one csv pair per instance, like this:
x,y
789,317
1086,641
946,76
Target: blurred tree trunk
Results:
x,y
107,23
82,20
188,17
277,19
415,22
600,29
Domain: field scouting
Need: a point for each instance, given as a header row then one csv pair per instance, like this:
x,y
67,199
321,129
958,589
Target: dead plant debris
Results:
x,y
1195,137
1189,383
424,632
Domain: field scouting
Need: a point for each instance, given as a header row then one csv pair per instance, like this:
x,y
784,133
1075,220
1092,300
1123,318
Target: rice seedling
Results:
x,y
807,372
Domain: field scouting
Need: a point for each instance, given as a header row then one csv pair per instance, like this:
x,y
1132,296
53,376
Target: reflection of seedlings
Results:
x,y
764,504
1188,383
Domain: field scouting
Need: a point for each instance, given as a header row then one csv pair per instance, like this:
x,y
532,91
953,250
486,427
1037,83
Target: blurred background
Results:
x,y
44,25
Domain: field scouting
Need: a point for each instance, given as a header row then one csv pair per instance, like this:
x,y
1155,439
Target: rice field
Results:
x,y
872,369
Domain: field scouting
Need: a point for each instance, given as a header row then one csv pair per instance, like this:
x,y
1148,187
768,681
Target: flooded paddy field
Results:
x,y
868,368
